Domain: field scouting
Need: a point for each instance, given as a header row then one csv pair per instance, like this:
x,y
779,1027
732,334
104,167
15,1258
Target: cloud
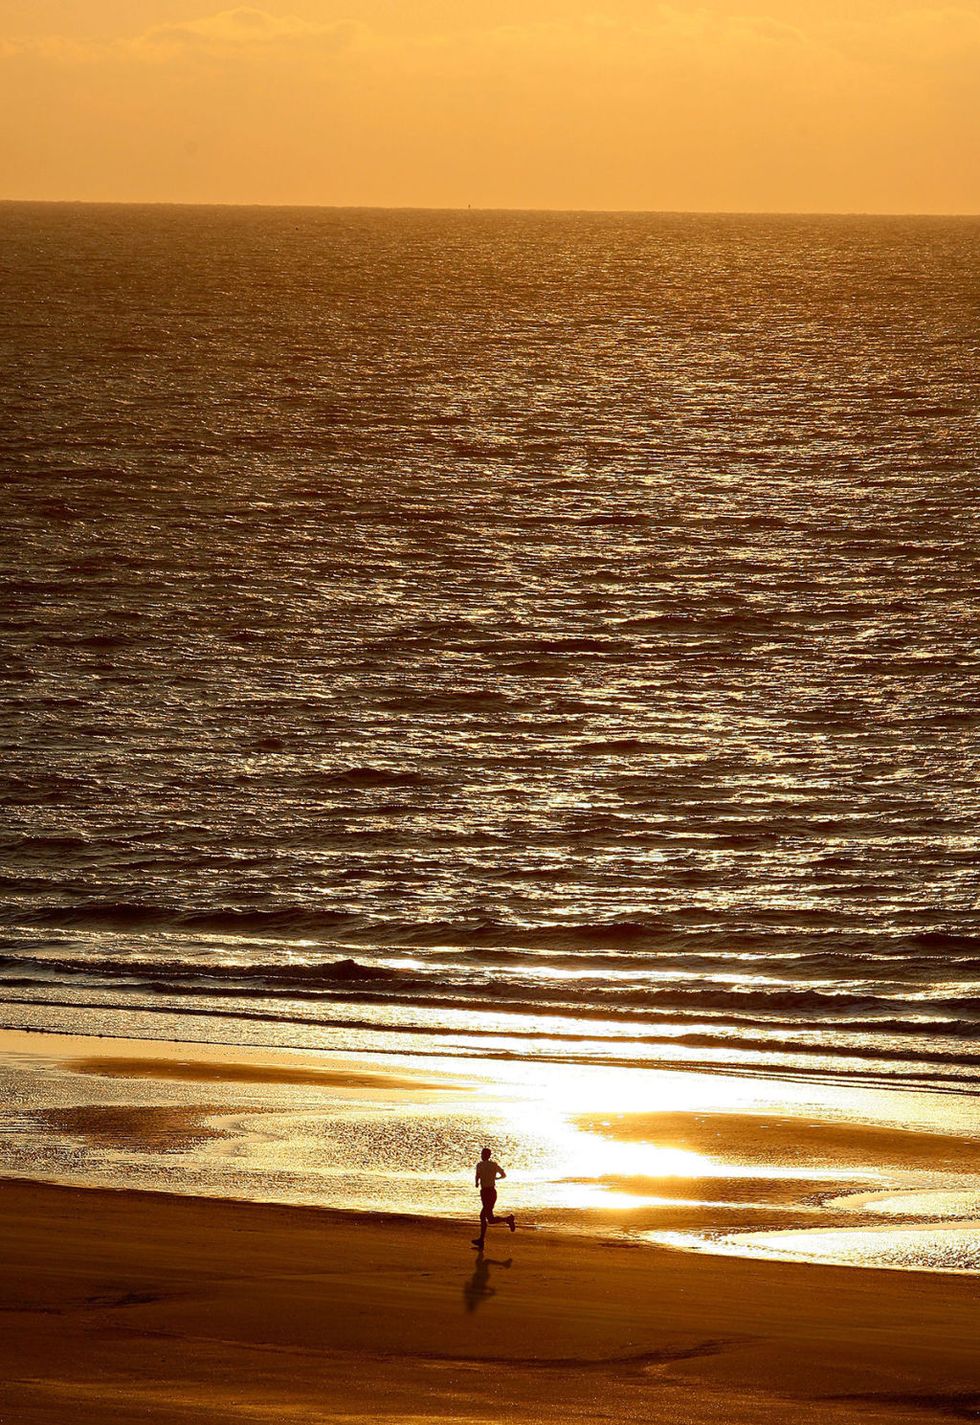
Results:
x,y
243,28
933,33
670,43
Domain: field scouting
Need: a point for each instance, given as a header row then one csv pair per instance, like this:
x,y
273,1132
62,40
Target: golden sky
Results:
x,y
813,105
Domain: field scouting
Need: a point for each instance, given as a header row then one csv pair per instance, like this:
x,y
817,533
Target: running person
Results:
x,y
487,1173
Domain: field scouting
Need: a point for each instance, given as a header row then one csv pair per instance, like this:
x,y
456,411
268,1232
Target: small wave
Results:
x,y
670,934
832,1008
798,962
365,778
128,915
345,971
56,841
103,641
940,942
299,921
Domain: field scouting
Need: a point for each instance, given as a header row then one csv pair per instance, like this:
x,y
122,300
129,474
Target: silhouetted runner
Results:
x,y
487,1173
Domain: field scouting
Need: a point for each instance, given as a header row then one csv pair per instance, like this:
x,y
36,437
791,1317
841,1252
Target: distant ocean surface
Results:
x,y
516,635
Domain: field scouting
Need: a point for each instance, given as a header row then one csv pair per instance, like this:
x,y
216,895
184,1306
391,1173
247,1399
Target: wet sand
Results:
x,y
397,1138
755,1138
123,1307
201,1070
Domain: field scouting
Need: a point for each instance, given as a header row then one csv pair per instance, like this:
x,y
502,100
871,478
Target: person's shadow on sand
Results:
x,y
478,1287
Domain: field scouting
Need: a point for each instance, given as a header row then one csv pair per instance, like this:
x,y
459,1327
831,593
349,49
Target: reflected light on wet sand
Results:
x,y
686,1158
929,1247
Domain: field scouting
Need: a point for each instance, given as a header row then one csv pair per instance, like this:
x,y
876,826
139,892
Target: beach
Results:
x,y
170,1306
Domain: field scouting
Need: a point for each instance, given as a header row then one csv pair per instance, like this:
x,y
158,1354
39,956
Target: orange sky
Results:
x,y
839,105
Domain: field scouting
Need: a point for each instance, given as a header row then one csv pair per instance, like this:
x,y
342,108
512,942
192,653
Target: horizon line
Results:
x,y
476,208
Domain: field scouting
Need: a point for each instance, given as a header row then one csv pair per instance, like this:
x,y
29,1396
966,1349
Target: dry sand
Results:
x,y
125,1307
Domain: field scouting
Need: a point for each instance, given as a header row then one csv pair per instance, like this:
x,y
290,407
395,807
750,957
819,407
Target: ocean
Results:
x,y
499,636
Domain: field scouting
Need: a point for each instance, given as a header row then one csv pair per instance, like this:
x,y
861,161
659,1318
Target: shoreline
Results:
x,y
714,1165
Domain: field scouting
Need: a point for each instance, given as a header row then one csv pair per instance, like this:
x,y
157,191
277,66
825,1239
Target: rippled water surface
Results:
x,y
505,634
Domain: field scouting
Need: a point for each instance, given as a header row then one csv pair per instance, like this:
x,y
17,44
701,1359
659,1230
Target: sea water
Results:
x,y
506,635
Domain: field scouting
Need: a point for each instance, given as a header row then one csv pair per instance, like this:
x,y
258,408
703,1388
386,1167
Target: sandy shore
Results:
x,y
123,1306
126,1306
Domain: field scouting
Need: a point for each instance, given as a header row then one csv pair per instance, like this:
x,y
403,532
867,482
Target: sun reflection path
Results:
x,y
558,1163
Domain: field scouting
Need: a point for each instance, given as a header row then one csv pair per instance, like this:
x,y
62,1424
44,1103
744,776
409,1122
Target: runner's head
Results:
x,y
485,1154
